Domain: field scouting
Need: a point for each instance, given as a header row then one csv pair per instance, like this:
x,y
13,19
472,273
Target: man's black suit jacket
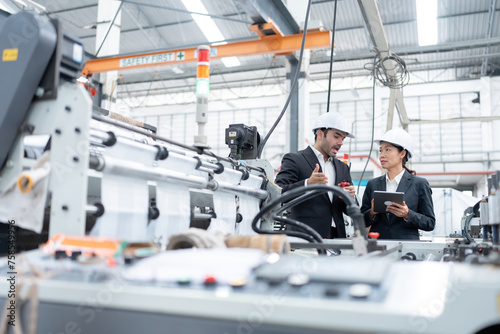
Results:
x,y
318,211
418,199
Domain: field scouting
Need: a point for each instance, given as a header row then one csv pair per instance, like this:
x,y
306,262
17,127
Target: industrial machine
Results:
x,y
139,187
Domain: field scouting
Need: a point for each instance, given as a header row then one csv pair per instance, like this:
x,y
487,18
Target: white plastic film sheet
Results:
x,y
249,206
26,208
173,202
225,204
125,199
126,208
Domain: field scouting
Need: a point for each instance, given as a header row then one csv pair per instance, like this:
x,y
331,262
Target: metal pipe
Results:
x,y
107,137
237,190
166,140
99,134
494,234
186,11
96,162
96,210
109,29
130,143
209,165
91,209
491,15
485,234
134,169
455,120
206,170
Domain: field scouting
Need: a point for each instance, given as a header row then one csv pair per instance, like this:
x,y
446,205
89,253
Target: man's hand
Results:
x,y
351,190
317,178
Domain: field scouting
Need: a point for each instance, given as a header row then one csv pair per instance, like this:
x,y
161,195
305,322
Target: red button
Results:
x,y
209,279
374,235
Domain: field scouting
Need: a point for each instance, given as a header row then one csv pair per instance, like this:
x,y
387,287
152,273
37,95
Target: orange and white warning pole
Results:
x,y
202,92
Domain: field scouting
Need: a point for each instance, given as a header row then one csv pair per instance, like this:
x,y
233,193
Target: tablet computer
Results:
x,y
381,199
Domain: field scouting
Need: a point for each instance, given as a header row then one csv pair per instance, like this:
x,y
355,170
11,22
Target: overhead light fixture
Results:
x,y
230,61
427,22
209,28
219,43
205,23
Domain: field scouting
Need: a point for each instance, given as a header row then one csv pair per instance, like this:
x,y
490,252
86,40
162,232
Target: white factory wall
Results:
x,y
443,151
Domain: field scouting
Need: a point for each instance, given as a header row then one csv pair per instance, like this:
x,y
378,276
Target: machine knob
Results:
x,y
360,290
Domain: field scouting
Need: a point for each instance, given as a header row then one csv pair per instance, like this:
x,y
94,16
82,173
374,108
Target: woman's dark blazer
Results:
x,y
418,198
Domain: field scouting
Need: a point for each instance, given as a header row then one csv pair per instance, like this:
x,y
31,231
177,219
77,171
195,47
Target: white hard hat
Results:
x,y
332,120
398,137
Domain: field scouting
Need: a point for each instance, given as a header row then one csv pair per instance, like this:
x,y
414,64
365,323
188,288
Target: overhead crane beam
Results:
x,y
371,15
276,44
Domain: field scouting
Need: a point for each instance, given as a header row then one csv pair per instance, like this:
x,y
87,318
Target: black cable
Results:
x,y
305,193
316,237
373,135
331,58
465,232
400,77
295,80
473,212
305,232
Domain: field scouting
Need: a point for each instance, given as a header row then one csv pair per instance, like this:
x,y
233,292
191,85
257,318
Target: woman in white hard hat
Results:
x,y
317,165
400,221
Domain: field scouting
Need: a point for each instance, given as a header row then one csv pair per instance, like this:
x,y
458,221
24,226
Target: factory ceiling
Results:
x,y
468,39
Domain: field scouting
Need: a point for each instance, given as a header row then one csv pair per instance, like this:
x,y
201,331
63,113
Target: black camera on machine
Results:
x,y
243,141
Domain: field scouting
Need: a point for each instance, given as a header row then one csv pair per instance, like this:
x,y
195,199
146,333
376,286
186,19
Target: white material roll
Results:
x,y
126,208
173,202
225,204
249,206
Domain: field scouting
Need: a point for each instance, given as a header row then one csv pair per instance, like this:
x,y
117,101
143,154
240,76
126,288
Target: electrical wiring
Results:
x,y
381,68
371,140
470,213
292,89
331,58
297,196
398,80
130,96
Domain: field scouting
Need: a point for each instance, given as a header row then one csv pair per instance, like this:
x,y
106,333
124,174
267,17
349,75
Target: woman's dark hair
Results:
x,y
405,159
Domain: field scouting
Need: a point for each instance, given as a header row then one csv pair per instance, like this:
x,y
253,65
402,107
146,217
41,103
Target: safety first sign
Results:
x,y
153,59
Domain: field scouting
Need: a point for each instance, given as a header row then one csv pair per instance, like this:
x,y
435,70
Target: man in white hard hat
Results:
x,y
317,165
399,221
